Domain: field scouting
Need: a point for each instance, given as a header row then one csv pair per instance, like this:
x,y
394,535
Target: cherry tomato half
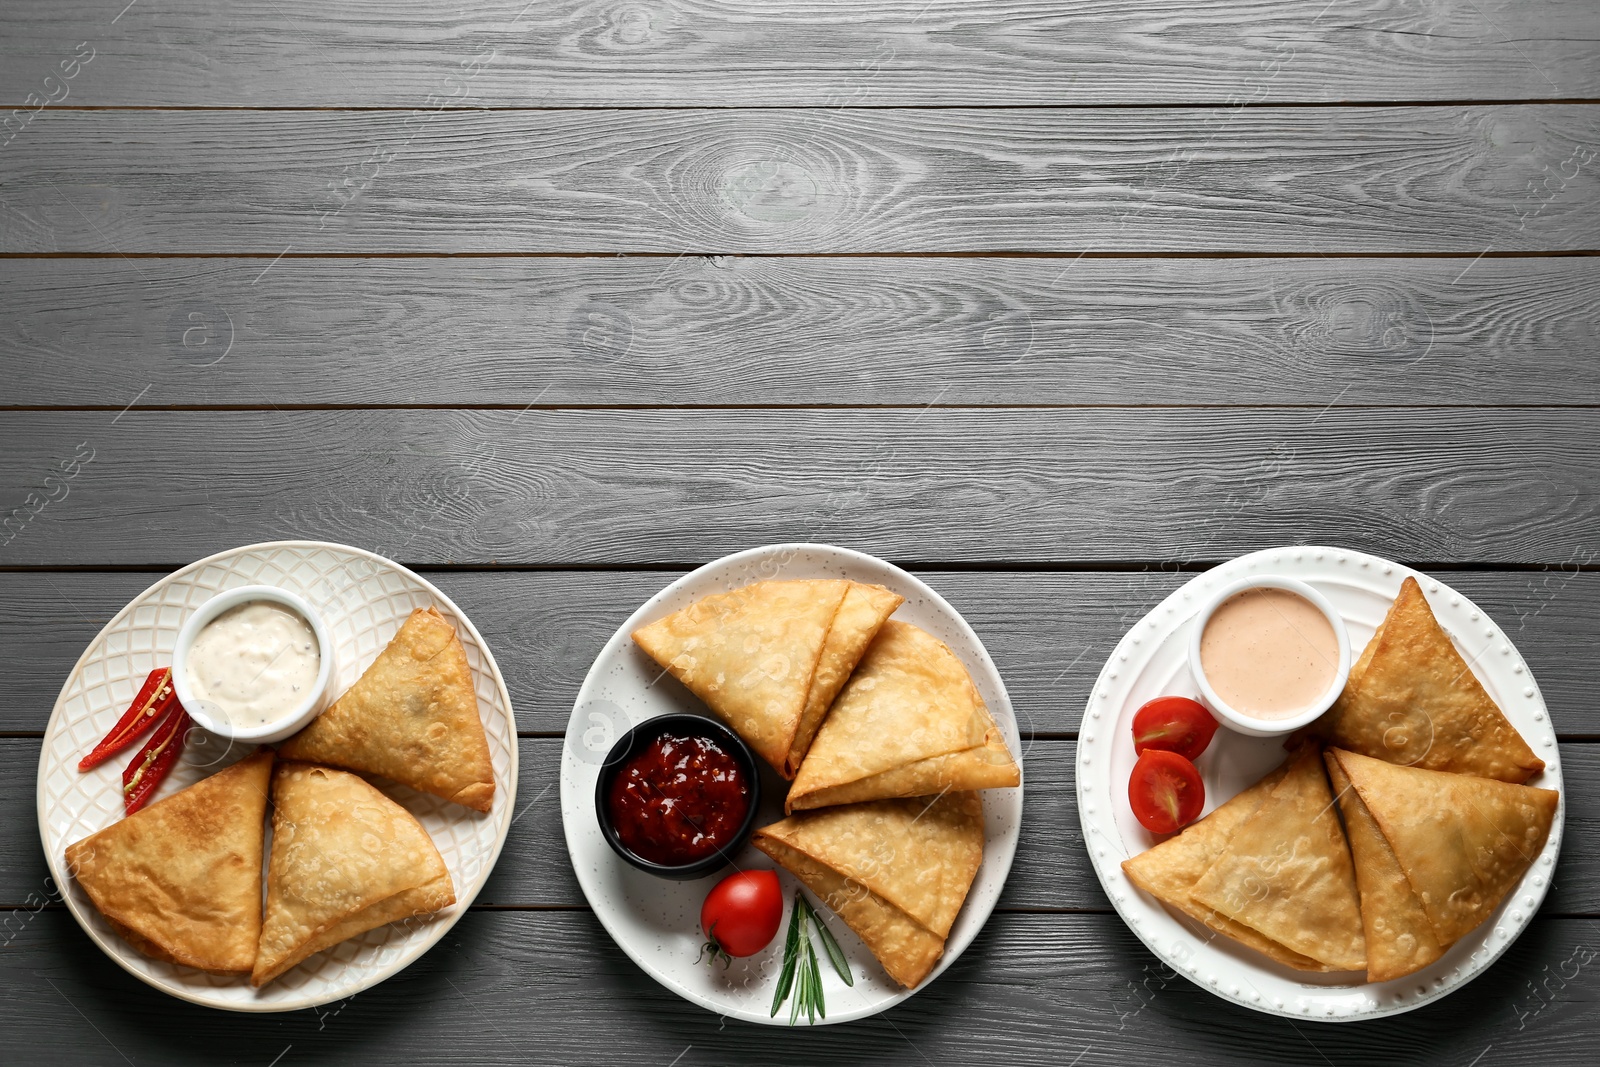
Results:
x,y
742,912
1165,791
1176,724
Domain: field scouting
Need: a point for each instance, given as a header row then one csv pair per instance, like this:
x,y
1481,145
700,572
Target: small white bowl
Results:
x,y
208,715
1249,724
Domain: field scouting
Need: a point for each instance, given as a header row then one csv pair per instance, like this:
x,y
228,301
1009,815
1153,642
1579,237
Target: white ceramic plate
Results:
x,y
1151,660
363,598
657,922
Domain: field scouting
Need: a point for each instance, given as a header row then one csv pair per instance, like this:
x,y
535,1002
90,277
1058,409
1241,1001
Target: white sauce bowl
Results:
x,y
209,716
1249,724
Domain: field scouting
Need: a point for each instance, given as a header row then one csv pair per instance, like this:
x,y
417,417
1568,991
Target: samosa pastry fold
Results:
x,y
1463,842
1400,939
910,722
345,859
1169,870
412,717
861,615
897,871
1412,699
180,880
769,658
1286,872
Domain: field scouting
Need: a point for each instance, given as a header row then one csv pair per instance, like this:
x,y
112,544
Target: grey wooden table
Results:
x,y
1052,303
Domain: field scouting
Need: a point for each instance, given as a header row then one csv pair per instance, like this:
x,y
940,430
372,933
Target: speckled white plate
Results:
x,y
1151,660
657,922
363,598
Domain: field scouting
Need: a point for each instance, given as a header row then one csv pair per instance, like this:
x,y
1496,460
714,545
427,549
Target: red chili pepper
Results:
x,y
155,698
155,759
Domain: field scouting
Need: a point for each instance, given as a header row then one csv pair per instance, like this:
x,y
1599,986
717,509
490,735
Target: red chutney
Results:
x,y
679,800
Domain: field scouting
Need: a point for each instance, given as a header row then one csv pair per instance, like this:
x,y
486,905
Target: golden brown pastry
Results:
x,y
1168,871
181,879
1400,940
861,615
1286,872
909,723
769,658
1411,699
345,859
1462,842
412,717
896,871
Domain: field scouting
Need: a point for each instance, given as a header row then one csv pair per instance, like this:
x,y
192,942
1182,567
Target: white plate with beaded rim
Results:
x,y
1151,660
363,598
656,921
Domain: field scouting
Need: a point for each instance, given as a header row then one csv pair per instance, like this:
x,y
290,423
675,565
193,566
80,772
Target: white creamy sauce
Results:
x,y
255,662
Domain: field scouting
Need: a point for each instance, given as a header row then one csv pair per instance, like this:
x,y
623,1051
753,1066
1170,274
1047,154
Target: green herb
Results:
x,y
791,944
831,947
801,973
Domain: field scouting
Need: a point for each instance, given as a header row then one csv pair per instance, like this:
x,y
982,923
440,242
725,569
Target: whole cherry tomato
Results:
x,y
1176,724
1165,791
742,913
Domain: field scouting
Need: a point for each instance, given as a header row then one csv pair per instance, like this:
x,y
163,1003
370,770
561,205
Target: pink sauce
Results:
x,y
1269,653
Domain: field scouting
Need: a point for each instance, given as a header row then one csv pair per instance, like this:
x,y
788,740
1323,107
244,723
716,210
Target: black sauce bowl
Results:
x,y
631,743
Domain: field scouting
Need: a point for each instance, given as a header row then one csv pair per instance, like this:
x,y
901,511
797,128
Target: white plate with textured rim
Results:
x,y
1152,660
656,921
363,598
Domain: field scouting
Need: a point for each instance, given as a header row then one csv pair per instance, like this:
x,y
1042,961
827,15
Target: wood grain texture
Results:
x,y
550,987
845,52
931,484
1367,179
1051,870
1048,633
740,330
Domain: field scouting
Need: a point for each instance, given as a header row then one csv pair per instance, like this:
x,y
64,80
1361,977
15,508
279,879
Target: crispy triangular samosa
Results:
x,y
345,859
861,615
1411,699
1287,874
896,871
909,723
770,657
412,717
1168,871
1400,939
1463,842
181,879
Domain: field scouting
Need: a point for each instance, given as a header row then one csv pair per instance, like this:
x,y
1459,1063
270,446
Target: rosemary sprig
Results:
x,y
801,973
831,947
791,944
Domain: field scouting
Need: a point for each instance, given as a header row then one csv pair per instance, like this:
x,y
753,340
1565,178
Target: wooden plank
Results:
x,y
1051,871
1048,633
550,987
848,52
930,484
704,331
1310,180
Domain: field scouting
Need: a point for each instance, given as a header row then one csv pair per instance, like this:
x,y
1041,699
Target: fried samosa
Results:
x,y
1400,940
1168,871
896,871
769,658
1412,699
1286,873
181,879
1462,842
909,723
861,615
412,717
345,859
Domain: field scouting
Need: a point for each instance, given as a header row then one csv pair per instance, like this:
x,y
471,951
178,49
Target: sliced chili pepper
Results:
x,y
155,698
155,759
